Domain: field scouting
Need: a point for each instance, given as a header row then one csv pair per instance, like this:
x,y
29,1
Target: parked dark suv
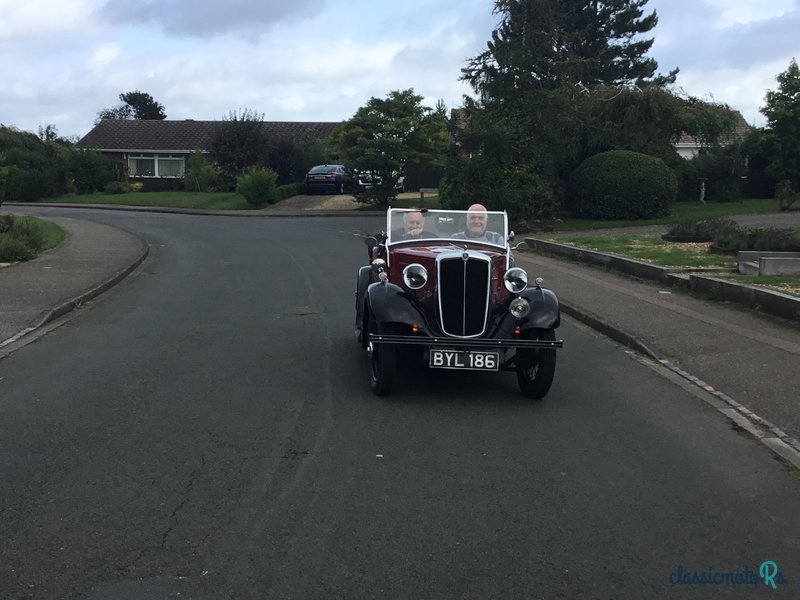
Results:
x,y
329,178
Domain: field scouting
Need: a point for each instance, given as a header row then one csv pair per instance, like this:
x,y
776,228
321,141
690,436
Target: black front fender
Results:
x,y
389,303
545,311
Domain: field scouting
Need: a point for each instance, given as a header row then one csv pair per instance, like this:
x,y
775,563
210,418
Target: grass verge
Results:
x,y
654,250
679,211
196,200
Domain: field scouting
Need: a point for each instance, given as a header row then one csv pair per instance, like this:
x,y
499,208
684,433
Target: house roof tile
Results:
x,y
131,135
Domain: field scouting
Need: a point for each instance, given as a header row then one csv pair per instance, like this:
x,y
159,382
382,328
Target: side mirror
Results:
x,y
511,235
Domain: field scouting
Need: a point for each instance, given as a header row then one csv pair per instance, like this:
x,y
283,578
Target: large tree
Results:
x,y
782,109
135,105
387,135
546,44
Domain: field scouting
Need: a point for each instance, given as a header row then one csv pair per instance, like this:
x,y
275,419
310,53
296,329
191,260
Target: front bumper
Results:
x,y
468,343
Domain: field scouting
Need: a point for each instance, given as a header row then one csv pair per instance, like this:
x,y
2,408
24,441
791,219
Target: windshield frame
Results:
x,y
441,222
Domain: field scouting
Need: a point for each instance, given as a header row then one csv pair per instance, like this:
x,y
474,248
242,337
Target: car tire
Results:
x,y
383,362
536,367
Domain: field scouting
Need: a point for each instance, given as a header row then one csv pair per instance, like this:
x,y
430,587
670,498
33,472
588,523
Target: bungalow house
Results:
x,y
155,151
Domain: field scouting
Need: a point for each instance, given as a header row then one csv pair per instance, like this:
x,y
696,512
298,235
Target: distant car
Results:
x,y
368,179
329,178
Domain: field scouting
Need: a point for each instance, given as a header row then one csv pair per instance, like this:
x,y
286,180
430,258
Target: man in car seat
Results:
x,y
476,227
413,227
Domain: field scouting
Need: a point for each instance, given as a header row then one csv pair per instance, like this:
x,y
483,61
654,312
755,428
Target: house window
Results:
x,y
156,165
142,167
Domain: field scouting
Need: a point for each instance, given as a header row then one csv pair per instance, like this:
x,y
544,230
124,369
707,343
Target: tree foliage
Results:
x,y
782,110
239,142
135,105
387,135
546,44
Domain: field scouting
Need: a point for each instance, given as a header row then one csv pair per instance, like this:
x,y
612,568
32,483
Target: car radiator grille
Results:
x,y
463,295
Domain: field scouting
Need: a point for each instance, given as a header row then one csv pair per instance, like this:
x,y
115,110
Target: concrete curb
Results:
x,y
95,291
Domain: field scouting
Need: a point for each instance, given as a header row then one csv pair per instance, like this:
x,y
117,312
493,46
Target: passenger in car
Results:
x,y
413,227
476,227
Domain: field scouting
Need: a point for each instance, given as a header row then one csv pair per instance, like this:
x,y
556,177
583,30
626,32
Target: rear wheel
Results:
x,y
536,367
383,362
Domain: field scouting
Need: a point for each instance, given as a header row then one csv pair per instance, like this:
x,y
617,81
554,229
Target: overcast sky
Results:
x,y
61,61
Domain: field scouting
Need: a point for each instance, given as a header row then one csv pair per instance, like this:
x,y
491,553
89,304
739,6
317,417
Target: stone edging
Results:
x,y
768,301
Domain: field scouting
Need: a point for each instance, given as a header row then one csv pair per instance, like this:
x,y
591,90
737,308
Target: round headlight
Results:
x,y
519,307
515,280
415,276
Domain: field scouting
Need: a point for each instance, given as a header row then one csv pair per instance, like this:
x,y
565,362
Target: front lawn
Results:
x,y
198,200
679,211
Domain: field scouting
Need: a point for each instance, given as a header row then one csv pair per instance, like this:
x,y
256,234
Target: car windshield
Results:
x,y
485,227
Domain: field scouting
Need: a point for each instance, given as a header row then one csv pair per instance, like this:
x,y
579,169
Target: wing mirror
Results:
x,y
511,236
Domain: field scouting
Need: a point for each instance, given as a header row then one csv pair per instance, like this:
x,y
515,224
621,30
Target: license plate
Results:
x,y
319,177
472,360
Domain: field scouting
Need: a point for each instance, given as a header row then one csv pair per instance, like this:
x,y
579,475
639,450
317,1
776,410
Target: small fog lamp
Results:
x,y
519,307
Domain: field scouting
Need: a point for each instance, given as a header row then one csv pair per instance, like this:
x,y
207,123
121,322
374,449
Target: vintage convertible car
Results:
x,y
458,299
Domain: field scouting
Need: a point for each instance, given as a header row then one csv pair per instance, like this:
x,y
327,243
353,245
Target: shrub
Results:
x,y
26,186
13,249
768,240
289,190
621,185
257,185
708,229
117,187
29,232
200,174
6,223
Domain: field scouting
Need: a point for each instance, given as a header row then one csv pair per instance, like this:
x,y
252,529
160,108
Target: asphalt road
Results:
x,y
205,430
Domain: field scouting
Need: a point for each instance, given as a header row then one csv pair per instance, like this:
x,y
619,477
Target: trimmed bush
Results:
x,y
767,240
257,185
117,187
621,185
707,230
290,189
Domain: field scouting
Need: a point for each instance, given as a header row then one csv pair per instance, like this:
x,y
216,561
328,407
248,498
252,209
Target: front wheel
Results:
x,y
383,363
536,367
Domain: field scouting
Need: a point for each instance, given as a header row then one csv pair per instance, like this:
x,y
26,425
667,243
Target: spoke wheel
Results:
x,y
536,367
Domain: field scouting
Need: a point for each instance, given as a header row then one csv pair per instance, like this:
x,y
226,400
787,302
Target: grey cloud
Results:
x,y
687,37
200,18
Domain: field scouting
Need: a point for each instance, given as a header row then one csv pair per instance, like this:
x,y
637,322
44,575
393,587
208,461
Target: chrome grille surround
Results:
x,y
463,283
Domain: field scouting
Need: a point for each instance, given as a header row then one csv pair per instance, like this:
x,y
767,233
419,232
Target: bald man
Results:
x,y
476,227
